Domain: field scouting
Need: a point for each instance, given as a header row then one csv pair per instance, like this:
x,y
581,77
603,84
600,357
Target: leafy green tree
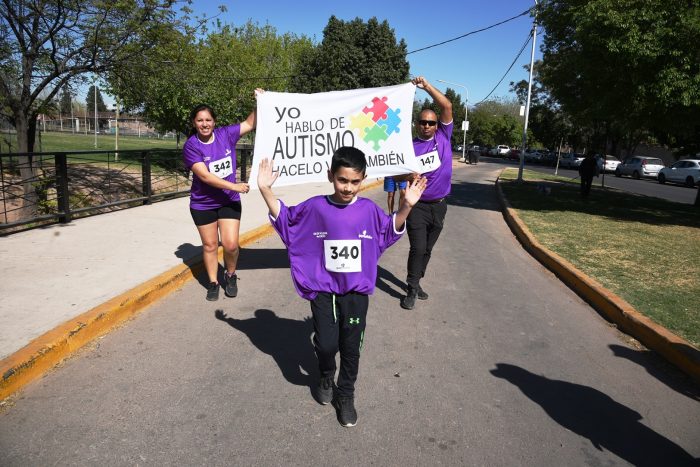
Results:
x,y
496,122
628,67
221,69
353,54
45,45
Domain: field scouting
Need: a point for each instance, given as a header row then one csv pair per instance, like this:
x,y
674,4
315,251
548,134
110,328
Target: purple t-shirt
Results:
x,y
219,156
440,179
334,248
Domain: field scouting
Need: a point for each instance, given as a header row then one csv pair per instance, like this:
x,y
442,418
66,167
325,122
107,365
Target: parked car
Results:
x,y
458,148
610,164
686,171
502,150
639,166
513,155
571,160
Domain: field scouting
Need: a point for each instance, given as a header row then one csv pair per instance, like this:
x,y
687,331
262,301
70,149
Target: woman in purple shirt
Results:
x,y
215,202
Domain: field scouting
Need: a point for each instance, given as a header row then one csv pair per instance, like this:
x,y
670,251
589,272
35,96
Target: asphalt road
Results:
x,y
503,365
644,186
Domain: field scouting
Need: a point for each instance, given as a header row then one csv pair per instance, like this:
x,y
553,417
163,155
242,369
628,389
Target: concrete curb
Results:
x,y
50,349
672,347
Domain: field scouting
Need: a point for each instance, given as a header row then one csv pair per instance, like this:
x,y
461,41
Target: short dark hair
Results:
x,y
195,111
348,156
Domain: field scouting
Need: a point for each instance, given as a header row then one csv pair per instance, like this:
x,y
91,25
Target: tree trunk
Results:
x,y
26,128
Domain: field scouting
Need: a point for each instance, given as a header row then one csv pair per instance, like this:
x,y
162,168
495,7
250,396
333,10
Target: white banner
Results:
x,y
300,132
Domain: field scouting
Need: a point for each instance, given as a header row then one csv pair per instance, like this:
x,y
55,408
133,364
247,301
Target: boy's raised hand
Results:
x,y
266,175
415,189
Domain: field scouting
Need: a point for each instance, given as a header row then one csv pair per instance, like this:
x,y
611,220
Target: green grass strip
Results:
x,y
644,249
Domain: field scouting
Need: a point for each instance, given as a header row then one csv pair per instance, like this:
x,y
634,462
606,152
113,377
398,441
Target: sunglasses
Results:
x,y
427,122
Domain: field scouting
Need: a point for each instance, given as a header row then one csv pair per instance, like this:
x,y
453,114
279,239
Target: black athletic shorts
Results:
x,y
207,216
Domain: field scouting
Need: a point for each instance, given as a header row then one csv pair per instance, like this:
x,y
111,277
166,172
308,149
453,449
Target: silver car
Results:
x,y
639,166
686,171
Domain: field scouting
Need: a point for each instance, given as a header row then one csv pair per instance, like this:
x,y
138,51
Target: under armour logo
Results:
x,y
354,320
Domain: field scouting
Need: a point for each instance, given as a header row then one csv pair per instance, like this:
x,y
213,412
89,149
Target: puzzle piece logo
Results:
x,y
376,122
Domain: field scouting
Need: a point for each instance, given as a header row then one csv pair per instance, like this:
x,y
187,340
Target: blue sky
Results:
x,y
478,61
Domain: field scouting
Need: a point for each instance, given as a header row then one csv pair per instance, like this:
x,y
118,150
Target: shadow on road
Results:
x,y
659,369
250,258
385,279
590,413
263,258
473,195
287,341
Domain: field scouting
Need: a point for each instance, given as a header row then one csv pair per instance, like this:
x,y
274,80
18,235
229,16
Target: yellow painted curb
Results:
x,y
672,347
51,348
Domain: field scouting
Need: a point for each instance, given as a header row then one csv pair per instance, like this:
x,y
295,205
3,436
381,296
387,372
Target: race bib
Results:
x,y
222,168
343,255
429,161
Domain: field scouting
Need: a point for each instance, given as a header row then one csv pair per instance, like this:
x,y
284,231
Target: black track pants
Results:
x,y
424,224
339,325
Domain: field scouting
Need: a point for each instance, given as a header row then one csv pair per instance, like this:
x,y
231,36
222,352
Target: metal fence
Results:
x,y
43,188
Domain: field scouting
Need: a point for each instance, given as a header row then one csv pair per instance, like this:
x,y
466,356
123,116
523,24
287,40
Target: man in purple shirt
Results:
x,y
334,244
424,224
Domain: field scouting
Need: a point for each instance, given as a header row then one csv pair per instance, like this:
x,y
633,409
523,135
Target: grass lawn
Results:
x,y
644,249
69,142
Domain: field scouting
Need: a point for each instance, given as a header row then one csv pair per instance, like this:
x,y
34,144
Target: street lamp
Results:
x,y
529,93
465,124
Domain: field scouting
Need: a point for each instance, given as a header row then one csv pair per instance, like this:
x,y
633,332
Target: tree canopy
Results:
x,y
626,66
353,54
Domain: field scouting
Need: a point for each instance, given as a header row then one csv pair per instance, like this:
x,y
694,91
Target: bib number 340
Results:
x,y
343,255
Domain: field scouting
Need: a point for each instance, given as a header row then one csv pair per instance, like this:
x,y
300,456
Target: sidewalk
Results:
x,y
54,274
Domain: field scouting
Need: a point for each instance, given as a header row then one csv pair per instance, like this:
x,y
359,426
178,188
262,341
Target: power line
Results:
x,y
527,41
469,33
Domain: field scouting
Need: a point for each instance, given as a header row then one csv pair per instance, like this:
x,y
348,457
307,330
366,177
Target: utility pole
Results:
x,y
94,87
529,93
116,133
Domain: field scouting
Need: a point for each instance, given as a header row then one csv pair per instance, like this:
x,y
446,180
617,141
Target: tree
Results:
x,y
90,99
46,44
628,67
496,122
66,101
220,69
353,55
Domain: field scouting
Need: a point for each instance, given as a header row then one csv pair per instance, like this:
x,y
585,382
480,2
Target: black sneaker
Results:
x,y
345,409
231,288
409,301
422,294
324,390
213,292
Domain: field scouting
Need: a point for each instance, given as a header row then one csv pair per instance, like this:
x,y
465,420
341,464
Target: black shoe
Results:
x,y
231,288
324,390
213,292
345,409
422,294
409,301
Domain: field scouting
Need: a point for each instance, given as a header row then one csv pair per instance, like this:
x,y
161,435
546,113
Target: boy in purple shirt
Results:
x,y
334,244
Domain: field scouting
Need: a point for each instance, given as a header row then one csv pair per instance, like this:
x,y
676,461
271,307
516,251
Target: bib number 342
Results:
x,y
343,255
222,168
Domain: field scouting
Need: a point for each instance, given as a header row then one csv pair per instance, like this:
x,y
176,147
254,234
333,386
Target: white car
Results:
x,y
686,171
611,163
640,166
502,150
571,160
